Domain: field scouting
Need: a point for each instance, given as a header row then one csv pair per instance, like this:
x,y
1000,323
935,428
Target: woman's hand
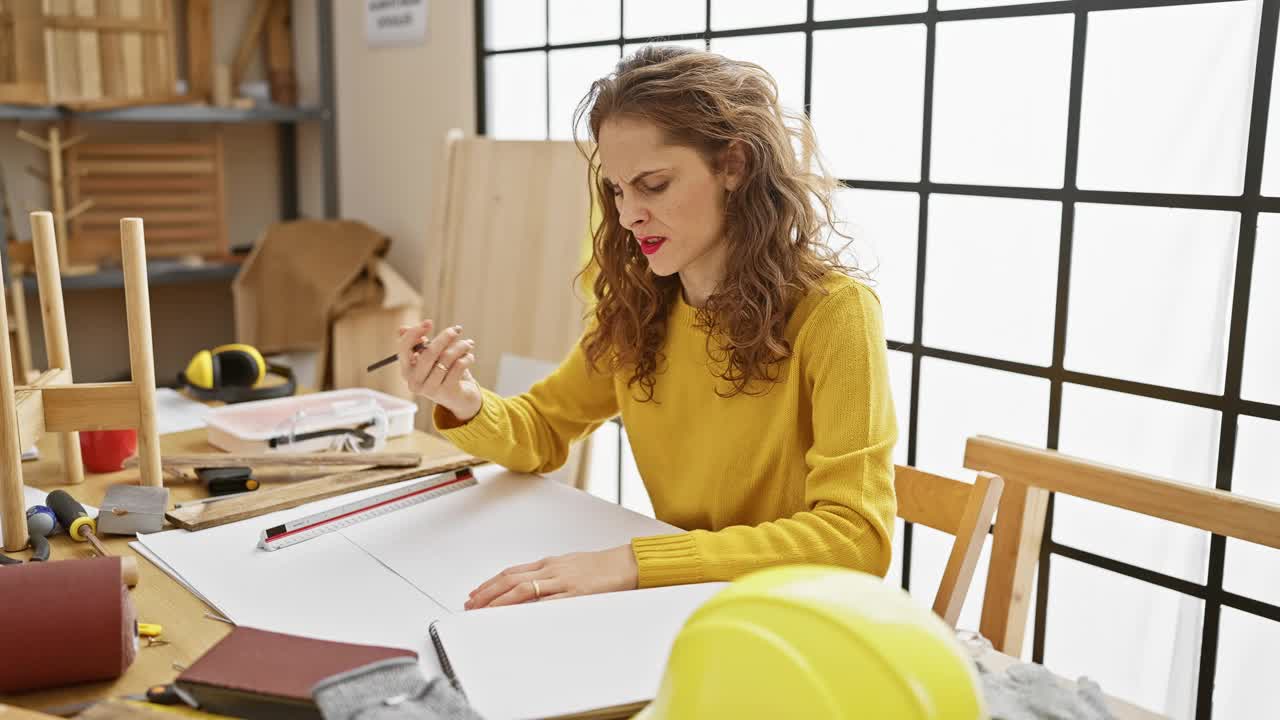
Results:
x,y
439,371
558,577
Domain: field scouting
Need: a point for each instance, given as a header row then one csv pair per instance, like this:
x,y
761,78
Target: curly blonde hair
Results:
x,y
774,220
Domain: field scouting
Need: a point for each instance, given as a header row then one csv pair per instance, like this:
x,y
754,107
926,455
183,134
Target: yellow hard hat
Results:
x,y
816,643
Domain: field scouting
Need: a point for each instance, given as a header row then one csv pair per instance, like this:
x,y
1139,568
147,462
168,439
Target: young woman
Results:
x,y
747,363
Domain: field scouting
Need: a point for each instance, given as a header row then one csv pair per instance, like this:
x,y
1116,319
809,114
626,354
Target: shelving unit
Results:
x,y
286,120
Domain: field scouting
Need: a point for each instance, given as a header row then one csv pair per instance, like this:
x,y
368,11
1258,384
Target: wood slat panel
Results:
x,y
160,233
117,203
101,150
87,45
107,24
100,184
144,167
153,219
132,41
111,50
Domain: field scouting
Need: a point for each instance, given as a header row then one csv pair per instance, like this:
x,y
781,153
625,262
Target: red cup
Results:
x,y
105,451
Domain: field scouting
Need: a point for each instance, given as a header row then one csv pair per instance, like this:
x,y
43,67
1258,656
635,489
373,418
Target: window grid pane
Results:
x,y
1209,176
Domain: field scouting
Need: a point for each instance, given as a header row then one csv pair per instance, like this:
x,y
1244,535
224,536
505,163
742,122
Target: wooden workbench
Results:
x,y
159,599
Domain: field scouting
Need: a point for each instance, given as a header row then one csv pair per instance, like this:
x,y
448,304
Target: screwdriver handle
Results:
x,y
71,514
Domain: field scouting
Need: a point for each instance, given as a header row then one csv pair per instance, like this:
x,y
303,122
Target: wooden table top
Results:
x,y
159,599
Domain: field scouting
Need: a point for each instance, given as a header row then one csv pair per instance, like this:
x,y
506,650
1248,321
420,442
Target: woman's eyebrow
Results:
x,y
646,173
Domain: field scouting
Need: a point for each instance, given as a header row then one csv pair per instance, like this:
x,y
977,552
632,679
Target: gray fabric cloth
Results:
x,y
1031,692
392,689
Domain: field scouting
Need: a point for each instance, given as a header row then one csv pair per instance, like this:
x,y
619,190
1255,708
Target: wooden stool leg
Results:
x,y
49,277
133,252
12,505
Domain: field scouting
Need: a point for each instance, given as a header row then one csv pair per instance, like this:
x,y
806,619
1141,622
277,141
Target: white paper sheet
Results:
x,y
570,655
176,412
326,588
451,544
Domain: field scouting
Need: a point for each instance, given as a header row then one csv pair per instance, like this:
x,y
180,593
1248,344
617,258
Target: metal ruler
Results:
x,y
311,526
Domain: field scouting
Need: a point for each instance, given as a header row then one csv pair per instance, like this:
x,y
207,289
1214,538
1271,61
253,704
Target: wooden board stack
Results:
x,y
87,54
178,187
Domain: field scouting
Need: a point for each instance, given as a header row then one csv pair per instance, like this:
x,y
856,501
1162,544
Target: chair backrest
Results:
x,y
516,374
1031,473
957,508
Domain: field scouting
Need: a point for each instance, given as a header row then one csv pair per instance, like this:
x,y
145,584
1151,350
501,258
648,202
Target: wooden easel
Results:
x,y
54,402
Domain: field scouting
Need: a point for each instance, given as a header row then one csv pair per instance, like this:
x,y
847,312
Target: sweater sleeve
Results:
x,y
849,492
532,432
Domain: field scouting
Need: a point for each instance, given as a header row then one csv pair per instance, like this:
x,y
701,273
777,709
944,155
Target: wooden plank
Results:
x,y
200,517
153,201
143,167
90,406
8,57
134,82
111,50
111,103
30,94
106,25
31,83
90,60
223,242
929,499
265,460
1015,550
154,54
280,71
160,233
200,49
107,184
1209,509
971,535
248,43
157,217
130,150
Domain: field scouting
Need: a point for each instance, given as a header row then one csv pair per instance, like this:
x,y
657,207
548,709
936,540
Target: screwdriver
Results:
x,y
71,514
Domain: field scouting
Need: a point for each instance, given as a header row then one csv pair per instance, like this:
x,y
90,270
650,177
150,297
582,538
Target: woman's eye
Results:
x,y
657,188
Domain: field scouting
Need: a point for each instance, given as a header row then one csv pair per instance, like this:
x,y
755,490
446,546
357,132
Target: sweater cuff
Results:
x,y
485,426
667,560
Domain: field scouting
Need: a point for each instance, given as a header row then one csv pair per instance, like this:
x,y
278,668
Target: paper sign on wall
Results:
x,y
389,23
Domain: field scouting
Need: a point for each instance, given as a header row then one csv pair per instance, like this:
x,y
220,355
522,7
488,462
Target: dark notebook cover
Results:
x,y
254,673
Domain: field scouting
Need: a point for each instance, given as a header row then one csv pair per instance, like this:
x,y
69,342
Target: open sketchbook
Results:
x,y
383,581
566,658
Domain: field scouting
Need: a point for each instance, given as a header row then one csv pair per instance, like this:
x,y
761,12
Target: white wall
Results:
x,y
394,107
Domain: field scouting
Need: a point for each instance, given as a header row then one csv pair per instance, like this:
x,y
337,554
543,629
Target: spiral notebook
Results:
x,y
595,656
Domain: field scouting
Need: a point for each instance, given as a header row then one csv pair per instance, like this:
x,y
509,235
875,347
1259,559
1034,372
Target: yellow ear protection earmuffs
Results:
x,y
234,373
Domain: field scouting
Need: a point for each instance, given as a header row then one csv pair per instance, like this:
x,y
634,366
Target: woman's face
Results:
x,y
667,196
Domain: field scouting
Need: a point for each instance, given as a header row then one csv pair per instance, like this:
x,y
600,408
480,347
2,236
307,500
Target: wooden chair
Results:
x,y
1030,474
956,508
54,402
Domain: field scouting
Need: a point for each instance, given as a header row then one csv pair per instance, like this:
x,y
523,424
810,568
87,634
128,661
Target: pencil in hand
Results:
x,y
392,358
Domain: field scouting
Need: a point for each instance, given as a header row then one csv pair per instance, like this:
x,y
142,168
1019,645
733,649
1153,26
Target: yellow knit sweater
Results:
x,y
801,474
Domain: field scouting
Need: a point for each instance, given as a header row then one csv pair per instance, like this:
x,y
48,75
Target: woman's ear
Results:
x,y
733,163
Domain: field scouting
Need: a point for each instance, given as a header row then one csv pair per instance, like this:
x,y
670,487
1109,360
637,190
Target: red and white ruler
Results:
x,y
311,526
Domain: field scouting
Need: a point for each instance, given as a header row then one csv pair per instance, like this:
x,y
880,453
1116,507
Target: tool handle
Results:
x,y
71,514
39,548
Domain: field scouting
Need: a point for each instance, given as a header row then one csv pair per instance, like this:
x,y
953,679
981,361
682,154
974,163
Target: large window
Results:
x,y
1074,226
